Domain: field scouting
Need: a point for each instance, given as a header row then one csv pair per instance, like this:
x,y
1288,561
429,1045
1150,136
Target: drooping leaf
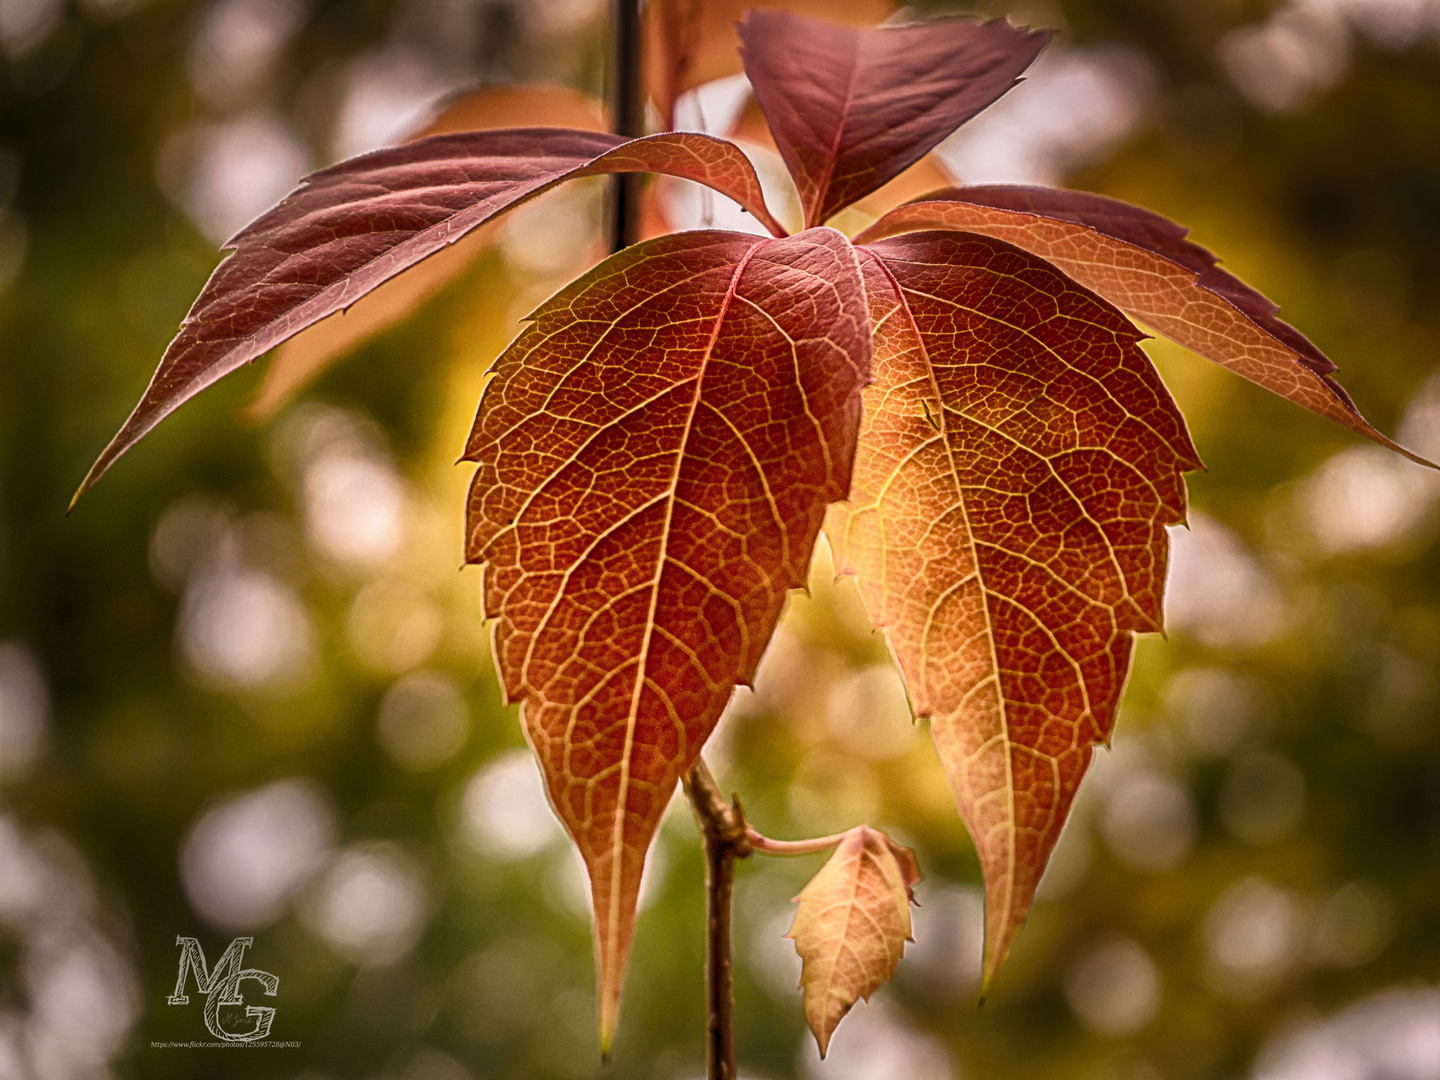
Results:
x,y
307,354
1018,464
852,926
655,454
691,42
850,109
1143,264
352,226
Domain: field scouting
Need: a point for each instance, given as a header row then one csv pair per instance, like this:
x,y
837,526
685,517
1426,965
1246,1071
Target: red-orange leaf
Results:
x,y
655,455
1018,464
1143,264
352,226
310,352
850,109
852,926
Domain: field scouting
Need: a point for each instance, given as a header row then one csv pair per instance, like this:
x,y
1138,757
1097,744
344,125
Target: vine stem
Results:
x,y
727,838
627,113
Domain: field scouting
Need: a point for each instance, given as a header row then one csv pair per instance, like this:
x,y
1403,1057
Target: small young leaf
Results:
x,y
655,455
1143,264
852,926
352,226
306,355
850,109
1017,466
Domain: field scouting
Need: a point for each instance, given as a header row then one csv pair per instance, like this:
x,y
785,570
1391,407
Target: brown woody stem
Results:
x,y
726,836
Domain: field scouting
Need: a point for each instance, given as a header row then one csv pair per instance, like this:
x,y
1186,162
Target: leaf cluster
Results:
x,y
956,396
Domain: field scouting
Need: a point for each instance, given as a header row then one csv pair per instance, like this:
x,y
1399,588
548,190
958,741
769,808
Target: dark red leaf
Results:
x,y
850,109
655,456
352,226
1144,265
303,357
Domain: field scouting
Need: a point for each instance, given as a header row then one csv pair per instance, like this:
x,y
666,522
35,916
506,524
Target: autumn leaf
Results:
x,y
655,454
1143,264
1017,466
925,177
691,42
306,355
852,926
658,448
352,226
850,109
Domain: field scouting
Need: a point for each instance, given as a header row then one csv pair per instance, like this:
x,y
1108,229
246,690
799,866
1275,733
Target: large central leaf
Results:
x,y
1019,461
655,456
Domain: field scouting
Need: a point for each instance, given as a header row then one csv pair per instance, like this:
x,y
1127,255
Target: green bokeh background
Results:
x,y
1331,207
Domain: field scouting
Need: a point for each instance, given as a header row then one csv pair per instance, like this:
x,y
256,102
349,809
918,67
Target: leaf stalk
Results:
x,y
766,846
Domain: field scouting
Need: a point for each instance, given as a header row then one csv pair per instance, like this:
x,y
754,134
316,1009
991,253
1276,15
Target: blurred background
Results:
x,y
245,688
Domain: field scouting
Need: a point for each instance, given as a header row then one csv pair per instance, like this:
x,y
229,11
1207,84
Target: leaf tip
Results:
x,y
96,471
822,1042
995,954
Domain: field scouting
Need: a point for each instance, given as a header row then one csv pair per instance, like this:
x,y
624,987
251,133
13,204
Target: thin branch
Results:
x,y
728,836
722,825
627,111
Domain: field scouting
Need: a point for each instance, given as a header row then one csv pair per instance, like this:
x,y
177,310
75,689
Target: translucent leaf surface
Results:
x,y
1018,464
852,926
1142,263
655,455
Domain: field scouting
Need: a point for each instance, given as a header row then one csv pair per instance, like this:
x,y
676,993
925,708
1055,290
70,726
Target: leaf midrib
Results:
x,y
979,575
617,841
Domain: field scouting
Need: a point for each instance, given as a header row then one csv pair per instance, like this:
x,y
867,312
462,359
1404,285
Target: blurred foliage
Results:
x,y
1260,850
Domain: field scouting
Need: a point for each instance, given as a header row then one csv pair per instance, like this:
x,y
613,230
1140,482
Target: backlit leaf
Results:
x,y
1018,464
1143,264
307,354
352,226
850,109
925,177
691,42
852,926
655,455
